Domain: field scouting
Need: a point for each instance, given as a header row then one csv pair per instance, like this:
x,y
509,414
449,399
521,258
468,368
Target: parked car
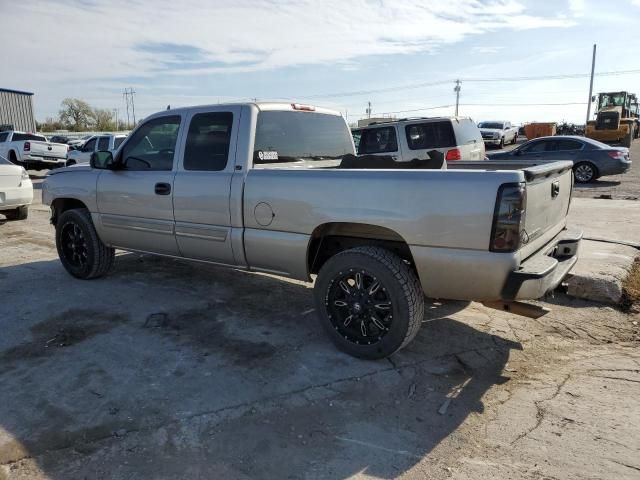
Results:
x,y
266,187
591,159
457,138
59,139
498,133
16,190
31,150
94,144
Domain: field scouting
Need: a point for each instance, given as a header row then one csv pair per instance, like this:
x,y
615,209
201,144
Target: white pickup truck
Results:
x,y
32,151
97,143
277,188
499,133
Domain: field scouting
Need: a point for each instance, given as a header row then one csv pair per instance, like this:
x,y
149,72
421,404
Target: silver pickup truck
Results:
x,y
276,188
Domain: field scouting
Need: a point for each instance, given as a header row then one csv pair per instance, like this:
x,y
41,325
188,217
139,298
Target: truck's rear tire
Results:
x,y
20,213
81,251
369,302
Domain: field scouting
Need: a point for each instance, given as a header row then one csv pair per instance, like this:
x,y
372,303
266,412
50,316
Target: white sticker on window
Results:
x,y
267,155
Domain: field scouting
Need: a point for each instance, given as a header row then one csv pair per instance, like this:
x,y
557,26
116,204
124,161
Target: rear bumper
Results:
x,y
16,197
615,167
49,161
544,271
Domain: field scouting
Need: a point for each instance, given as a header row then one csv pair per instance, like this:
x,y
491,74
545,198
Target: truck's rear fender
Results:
x,y
331,238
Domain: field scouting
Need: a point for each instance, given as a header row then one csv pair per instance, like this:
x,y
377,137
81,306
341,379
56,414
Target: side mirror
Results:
x,y
102,160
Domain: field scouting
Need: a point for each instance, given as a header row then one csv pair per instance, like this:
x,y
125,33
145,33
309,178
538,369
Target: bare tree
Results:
x,y
102,119
76,113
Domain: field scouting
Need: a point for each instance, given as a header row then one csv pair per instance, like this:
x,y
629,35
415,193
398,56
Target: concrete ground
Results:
x,y
167,370
610,246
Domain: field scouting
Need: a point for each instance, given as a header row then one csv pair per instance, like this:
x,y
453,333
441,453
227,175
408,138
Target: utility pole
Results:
x,y
115,114
593,68
369,110
125,96
133,107
128,100
457,90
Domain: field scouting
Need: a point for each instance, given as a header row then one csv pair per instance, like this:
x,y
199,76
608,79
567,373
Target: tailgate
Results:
x,y
56,150
548,196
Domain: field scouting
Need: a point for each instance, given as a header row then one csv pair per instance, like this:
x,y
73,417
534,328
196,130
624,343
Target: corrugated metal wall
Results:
x,y
17,109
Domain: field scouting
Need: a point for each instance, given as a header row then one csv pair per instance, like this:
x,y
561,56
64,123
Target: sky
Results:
x,y
402,56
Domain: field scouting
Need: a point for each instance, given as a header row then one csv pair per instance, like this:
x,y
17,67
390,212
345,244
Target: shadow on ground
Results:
x,y
167,369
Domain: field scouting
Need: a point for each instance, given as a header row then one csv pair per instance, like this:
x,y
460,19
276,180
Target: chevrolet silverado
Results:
x,y
277,188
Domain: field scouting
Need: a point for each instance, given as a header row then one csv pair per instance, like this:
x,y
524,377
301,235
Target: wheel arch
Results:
x,y
61,205
331,238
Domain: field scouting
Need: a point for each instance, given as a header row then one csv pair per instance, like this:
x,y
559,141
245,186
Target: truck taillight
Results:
x,y
508,218
453,154
304,108
27,146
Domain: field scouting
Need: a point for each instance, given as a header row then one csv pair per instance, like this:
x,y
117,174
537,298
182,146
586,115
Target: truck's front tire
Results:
x,y
369,302
81,251
501,143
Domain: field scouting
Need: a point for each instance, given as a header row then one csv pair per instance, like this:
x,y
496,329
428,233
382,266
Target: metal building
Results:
x,y
16,110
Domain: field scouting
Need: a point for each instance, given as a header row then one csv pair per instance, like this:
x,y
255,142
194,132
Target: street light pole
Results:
x,y
457,90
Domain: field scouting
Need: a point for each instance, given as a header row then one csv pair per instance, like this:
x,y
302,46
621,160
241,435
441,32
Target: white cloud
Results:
x,y
486,49
81,39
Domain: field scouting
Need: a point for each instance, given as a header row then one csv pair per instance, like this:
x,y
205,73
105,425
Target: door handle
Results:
x,y
163,188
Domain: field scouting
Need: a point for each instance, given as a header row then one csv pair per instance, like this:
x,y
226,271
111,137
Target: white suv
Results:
x,y
457,138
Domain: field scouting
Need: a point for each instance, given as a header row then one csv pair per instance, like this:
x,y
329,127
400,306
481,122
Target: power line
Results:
x,y
565,76
412,110
479,105
521,104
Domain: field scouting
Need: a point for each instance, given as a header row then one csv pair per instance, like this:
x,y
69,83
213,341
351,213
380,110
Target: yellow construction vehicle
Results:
x,y
615,122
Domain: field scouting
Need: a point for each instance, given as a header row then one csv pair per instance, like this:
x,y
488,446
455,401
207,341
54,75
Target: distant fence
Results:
x,y
79,135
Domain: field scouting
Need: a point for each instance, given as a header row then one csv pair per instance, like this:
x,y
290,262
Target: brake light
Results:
x,y
616,154
453,154
508,218
27,146
306,108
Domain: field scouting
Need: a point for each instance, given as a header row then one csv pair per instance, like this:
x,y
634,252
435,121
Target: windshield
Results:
x,y
612,99
496,125
304,138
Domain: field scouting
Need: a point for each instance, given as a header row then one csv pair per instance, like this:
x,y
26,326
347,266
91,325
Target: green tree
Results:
x,y
76,114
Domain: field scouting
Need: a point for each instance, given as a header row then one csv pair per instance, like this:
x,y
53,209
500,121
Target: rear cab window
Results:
x,y
117,142
4,136
21,137
438,134
292,139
